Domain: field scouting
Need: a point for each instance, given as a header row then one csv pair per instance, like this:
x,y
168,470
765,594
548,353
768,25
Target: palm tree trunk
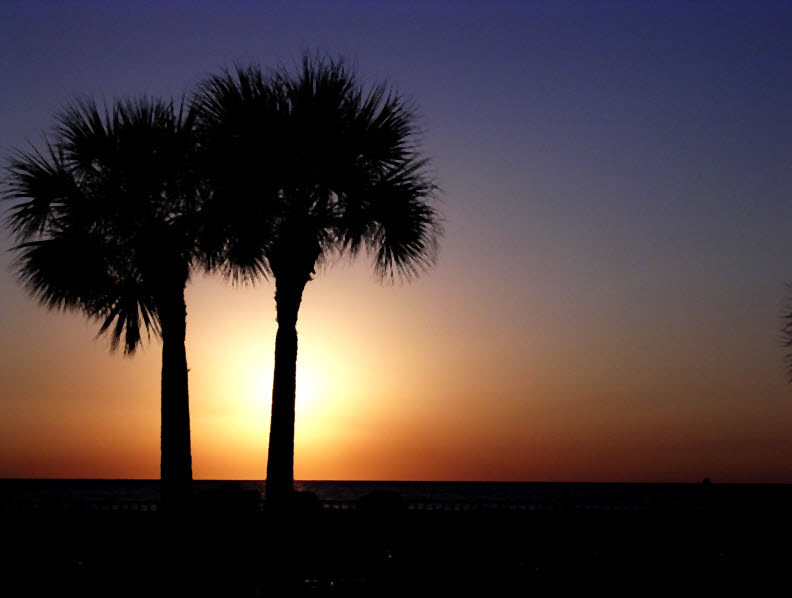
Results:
x,y
176,458
280,460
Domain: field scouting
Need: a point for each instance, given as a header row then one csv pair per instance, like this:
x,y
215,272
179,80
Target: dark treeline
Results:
x,y
254,174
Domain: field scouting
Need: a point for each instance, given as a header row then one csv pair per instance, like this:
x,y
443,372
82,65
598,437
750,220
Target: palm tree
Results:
x,y
105,219
303,167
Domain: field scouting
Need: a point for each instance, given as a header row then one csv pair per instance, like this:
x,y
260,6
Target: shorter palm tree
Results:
x,y
301,167
106,220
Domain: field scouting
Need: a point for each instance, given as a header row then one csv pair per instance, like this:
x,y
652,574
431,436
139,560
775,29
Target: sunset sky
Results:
x,y
617,194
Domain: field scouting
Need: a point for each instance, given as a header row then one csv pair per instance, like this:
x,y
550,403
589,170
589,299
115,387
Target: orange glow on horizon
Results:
x,y
384,391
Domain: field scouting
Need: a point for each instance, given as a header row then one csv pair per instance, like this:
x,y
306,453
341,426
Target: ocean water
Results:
x,y
542,495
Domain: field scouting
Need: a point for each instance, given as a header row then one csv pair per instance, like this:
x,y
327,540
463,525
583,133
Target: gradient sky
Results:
x,y
617,188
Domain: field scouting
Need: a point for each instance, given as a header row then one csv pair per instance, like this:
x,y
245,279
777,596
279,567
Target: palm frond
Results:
x,y
127,318
58,272
41,185
407,230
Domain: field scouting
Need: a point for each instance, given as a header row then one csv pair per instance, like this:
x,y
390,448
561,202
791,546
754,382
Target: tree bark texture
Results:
x,y
176,458
280,460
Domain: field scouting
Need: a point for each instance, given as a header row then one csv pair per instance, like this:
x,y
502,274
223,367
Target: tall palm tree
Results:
x,y
301,167
105,217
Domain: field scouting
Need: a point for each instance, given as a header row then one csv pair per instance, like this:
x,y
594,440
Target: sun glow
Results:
x,y
248,391
312,384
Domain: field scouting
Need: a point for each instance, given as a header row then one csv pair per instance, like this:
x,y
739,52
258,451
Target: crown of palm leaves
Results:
x,y
309,164
104,216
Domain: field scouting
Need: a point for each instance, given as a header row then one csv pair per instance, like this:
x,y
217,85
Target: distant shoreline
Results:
x,y
528,496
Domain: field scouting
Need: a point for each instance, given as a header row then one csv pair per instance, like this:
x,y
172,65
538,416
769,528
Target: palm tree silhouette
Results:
x,y
106,219
303,167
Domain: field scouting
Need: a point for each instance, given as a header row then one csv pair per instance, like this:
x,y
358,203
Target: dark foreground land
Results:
x,y
233,545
